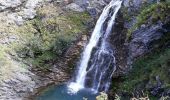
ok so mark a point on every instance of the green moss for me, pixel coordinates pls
(156, 12)
(79, 19)
(150, 15)
(145, 70)
(47, 37)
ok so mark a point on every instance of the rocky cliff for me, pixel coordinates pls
(147, 41)
(41, 41)
(34, 38)
(141, 33)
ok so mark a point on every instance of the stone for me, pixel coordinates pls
(102, 96)
(29, 13)
(92, 11)
(84, 37)
(9, 3)
(81, 44)
(74, 7)
(143, 38)
(67, 1)
(16, 18)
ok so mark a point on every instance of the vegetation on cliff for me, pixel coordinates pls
(39, 42)
(150, 73)
(150, 15)
(147, 73)
(47, 37)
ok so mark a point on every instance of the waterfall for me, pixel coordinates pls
(97, 63)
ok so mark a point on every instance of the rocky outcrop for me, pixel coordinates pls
(74, 7)
(147, 36)
(136, 5)
(14, 88)
(118, 42)
(144, 36)
(19, 10)
(17, 78)
(20, 78)
(94, 7)
(143, 39)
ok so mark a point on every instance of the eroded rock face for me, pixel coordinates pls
(117, 40)
(136, 4)
(16, 81)
(92, 6)
(143, 38)
(74, 7)
(19, 10)
(9, 3)
(16, 87)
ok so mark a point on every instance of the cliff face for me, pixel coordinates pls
(140, 36)
(145, 25)
(34, 38)
(147, 42)
(37, 34)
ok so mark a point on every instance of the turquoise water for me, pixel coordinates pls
(61, 93)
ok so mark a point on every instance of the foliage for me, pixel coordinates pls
(47, 37)
(151, 15)
(146, 70)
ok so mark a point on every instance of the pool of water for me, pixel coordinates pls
(61, 92)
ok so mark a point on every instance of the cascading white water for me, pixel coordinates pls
(98, 66)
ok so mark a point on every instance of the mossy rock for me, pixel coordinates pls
(144, 71)
(46, 38)
(150, 15)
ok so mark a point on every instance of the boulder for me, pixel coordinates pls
(92, 11)
(74, 7)
(9, 3)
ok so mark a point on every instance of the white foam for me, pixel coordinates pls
(74, 87)
(79, 83)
